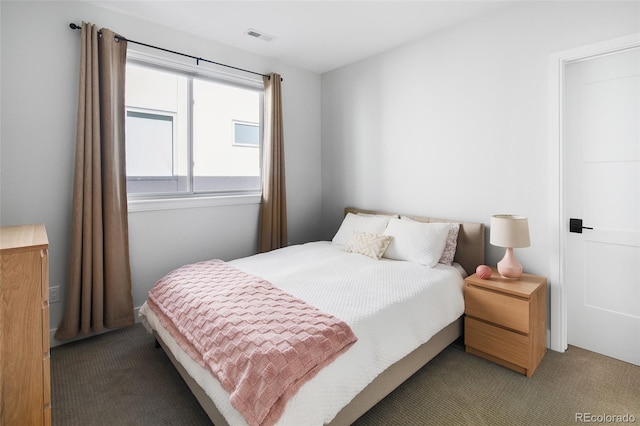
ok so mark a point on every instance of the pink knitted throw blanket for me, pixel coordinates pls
(261, 343)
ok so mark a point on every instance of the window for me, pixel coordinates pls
(246, 134)
(189, 132)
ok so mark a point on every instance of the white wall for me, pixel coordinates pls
(39, 78)
(456, 125)
(453, 125)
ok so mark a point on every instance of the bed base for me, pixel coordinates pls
(379, 388)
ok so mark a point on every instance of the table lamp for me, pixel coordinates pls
(509, 231)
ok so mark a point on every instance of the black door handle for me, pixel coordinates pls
(575, 225)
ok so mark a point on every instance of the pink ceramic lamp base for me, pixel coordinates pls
(509, 267)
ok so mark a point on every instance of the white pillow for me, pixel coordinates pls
(358, 223)
(379, 215)
(449, 251)
(416, 241)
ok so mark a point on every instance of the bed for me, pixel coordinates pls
(429, 315)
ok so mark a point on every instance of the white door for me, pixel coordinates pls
(601, 163)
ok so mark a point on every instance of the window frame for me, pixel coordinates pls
(189, 198)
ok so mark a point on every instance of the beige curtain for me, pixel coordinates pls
(99, 288)
(273, 208)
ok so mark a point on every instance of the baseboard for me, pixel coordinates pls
(55, 342)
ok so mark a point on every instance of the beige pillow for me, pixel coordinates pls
(372, 245)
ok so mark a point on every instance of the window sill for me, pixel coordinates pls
(152, 204)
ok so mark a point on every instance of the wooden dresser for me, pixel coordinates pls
(506, 320)
(25, 387)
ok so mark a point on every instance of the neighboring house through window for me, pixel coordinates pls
(246, 134)
(190, 132)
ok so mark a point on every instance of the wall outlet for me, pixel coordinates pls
(54, 294)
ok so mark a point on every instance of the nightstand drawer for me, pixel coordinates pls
(498, 342)
(507, 311)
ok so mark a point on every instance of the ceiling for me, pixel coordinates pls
(314, 35)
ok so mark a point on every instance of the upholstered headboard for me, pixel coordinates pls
(470, 248)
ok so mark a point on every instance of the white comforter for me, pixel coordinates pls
(392, 307)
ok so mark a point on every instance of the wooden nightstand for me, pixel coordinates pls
(505, 320)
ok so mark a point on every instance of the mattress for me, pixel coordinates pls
(392, 306)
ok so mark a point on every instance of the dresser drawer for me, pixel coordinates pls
(507, 311)
(504, 344)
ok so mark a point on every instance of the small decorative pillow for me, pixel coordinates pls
(452, 243)
(415, 241)
(372, 245)
(357, 223)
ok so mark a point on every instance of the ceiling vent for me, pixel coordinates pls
(259, 34)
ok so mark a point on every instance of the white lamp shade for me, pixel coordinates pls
(509, 231)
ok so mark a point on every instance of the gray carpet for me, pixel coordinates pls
(119, 378)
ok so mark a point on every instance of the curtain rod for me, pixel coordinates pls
(77, 27)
